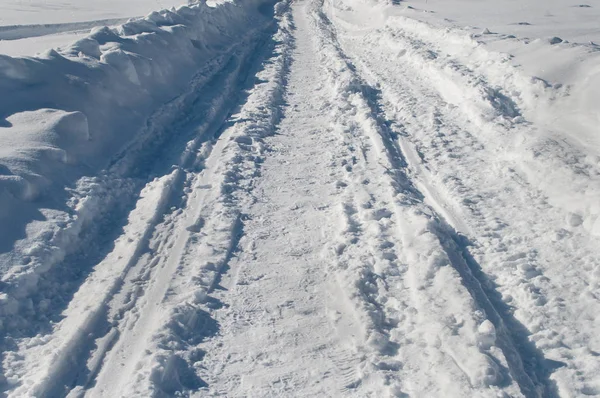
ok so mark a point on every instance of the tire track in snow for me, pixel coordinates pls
(518, 263)
(382, 277)
(524, 356)
(284, 329)
(525, 361)
(100, 204)
(73, 338)
(124, 357)
(213, 224)
(516, 349)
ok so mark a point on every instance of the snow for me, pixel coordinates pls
(303, 198)
(19, 12)
(29, 47)
(67, 114)
(551, 42)
(486, 113)
(568, 20)
(28, 28)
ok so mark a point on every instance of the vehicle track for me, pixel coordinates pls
(92, 324)
(525, 363)
(449, 163)
(311, 229)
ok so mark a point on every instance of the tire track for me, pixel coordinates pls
(518, 352)
(308, 336)
(520, 281)
(210, 229)
(128, 274)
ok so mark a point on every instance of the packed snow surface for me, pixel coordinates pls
(303, 198)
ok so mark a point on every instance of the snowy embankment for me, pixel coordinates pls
(68, 114)
(536, 65)
(119, 271)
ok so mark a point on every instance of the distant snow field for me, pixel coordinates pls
(572, 20)
(35, 45)
(29, 27)
(41, 12)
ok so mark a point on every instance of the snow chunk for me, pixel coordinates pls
(487, 334)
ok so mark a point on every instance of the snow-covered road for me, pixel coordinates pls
(349, 204)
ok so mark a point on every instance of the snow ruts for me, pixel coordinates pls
(522, 361)
(479, 162)
(284, 326)
(134, 276)
(406, 301)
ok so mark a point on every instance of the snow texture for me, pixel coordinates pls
(304, 198)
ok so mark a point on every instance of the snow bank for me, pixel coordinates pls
(66, 114)
(550, 126)
(533, 98)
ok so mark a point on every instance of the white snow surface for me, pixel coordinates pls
(39, 44)
(308, 198)
(30, 27)
(44, 12)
